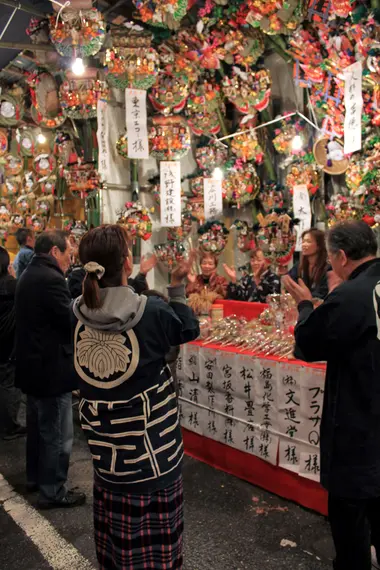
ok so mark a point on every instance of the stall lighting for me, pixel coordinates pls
(41, 138)
(78, 67)
(218, 174)
(297, 143)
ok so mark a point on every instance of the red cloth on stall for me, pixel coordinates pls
(242, 309)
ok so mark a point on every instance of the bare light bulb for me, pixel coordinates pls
(218, 173)
(297, 143)
(41, 138)
(78, 67)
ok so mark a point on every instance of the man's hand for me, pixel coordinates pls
(11, 270)
(230, 272)
(147, 263)
(298, 291)
(183, 269)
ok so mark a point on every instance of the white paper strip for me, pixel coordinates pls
(353, 101)
(289, 455)
(170, 185)
(302, 211)
(103, 141)
(137, 130)
(213, 199)
(310, 463)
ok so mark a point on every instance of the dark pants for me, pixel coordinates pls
(48, 444)
(355, 525)
(10, 397)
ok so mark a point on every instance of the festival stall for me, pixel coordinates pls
(222, 126)
(249, 410)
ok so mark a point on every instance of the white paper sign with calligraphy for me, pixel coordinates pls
(170, 188)
(290, 455)
(353, 101)
(289, 400)
(312, 391)
(310, 463)
(302, 211)
(136, 121)
(103, 140)
(213, 200)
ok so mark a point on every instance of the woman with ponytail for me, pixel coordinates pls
(129, 409)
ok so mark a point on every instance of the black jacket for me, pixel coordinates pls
(345, 331)
(7, 317)
(44, 335)
(77, 274)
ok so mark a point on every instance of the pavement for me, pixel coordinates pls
(229, 524)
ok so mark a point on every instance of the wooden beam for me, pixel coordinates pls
(23, 8)
(31, 47)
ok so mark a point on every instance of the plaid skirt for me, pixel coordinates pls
(139, 532)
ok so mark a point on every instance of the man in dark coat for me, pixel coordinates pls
(345, 332)
(45, 368)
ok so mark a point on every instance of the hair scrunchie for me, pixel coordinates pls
(93, 267)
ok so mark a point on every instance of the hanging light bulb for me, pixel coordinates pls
(41, 138)
(297, 143)
(78, 67)
(218, 174)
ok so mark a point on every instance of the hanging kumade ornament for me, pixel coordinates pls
(23, 204)
(11, 187)
(162, 13)
(244, 240)
(11, 107)
(3, 142)
(329, 155)
(248, 90)
(302, 172)
(169, 94)
(37, 223)
(247, 147)
(44, 165)
(79, 96)
(17, 222)
(355, 173)
(196, 185)
(196, 207)
(340, 209)
(5, 215)
(184, 230)
(122, 146)
(82, 180)
(13, 165)
(77, 33)
(276, 16)
(131, 61)
(271, 197)
(276, 237)
(243, 47)
(213, 237)
(64, 148)
(202, 108)
(26, 142)
(170, 253)
(44, 205)
(241, 185)
(169, 138)
(213, 155)
(137, 221)
(46, 110)
(28, 182)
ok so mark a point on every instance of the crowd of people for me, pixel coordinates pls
(71, 317)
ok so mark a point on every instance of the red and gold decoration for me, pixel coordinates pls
(241, 184)
(46, 109)
(276, 237)
(137, 221)
(169, 138)
(79, 96)
(213, 237)
(248, 90)
(77, 33)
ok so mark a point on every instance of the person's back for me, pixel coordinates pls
(26, 240)
(45, 369)
(129, 408)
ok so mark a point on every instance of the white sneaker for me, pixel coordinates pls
(375, 563)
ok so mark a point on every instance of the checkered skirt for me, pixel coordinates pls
(139, 532)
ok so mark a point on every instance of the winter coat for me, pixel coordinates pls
(44, 340)
(7, 317)
(345, 332)
(129, 409)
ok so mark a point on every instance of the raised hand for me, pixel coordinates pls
(299, 291)
(230, 272)
(147, 263)
(183, 269)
